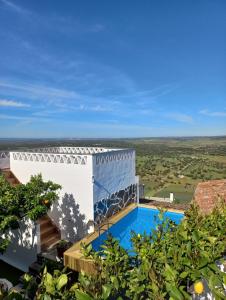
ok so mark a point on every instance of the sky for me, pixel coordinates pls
(87, 69)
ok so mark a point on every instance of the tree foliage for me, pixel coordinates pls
(31, 200)
(163, 265)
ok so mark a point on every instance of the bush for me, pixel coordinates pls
(164, 265)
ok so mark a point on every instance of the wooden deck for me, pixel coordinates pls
(73, 257)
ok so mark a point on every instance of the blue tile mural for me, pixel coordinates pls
(105, 208)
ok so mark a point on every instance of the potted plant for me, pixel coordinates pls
(62, 246)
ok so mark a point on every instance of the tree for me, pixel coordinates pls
(31, 200)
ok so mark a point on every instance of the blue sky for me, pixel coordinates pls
(112, 68)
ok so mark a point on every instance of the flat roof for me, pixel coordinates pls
(73, 150)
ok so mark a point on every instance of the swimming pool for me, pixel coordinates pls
(140, 220)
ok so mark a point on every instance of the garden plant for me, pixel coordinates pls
(31, 200)
(173, 263)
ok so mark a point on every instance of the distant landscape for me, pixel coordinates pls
(164, 164)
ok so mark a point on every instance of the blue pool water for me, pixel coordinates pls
(141, 220)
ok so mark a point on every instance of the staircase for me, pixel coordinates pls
(10, 177)
(49, 233)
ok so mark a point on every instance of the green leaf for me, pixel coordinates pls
(48, 283)
(47, 297)
(115, 282)
(106, 290)
(174, 292)
(74, 287)
(184, 274)
(184, 235)
(185, 294)
(82, 296)
(212, 239)
(195, 236)
(170, 273)
(214, 267)
(62, 281)
(203, 262)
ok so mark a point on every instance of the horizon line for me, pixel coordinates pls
(110, 138)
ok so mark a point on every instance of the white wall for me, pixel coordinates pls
(24, 247)
(113, 171)
(93, 178)
(74, 208)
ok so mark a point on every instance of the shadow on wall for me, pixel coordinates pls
(71, 222)
(4, 163)
(22, 250)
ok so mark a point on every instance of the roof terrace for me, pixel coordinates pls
(70, 150)
(71, 155)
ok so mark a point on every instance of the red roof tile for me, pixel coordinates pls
(208, 193)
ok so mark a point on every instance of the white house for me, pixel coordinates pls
(96, 183)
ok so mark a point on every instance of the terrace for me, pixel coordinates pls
(70, 150)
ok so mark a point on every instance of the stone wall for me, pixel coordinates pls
(105, 208)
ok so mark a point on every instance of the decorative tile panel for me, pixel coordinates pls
(105, 208)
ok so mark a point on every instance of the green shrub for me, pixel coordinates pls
(164, 265)
(31, 200)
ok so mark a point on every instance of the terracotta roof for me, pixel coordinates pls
(208, 193)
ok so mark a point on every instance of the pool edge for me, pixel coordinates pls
(73, 257)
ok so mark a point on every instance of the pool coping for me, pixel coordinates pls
(74, 258)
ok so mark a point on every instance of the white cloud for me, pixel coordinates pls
(213, 113)
(39, 91)
(11, 117)
(179, 117)
(11, 103)
(23, 118)
(96, 108)
(14, 7)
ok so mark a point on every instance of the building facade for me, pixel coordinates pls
(96, 182)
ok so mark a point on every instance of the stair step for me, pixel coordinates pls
(49, 233)
(50, 243)
(45, 224)
(46, 232)
(44, 219)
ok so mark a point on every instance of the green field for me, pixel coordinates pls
(164, 164)
(177, 165)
